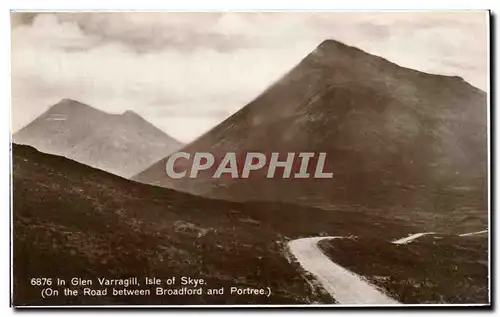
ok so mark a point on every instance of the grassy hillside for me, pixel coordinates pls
(71, 220)
(432, 269)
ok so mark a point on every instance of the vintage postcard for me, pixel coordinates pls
(224, 159)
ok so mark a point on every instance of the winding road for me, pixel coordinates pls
(412, 237)
(346, 287)
(472, 233)
(343, 285)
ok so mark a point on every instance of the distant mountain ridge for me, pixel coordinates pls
(397, 139)
(121, 144)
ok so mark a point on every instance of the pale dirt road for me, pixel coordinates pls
(343, 285)
(412, 237)
(473, 233)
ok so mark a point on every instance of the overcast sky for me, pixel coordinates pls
(186, 72)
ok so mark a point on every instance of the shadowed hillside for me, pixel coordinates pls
(120, 144)
(434, 269)
(71, 220)
(400, 142)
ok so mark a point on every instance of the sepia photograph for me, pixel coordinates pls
(250, 159)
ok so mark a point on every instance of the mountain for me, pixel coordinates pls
(120, 144)
(71, 220)
(399, 142)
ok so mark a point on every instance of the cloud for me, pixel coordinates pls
(186, 72)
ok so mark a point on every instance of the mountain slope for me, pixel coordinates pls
(120, 144)
(71, 220)
(437, 269)
(397, 140)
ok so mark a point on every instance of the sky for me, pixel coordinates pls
(187, 72)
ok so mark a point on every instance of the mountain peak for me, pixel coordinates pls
(132, 116)
(332, 52)
(130, 113)
(332, 43)
(69, 102)
(114, 142)
(67, 105)
(334, 47)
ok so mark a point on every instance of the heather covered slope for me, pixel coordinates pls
(434, 269)
(71, 220)
(400, 142)
(120, 144)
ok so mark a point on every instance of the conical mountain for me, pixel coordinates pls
(397, 140)
(122, 144)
